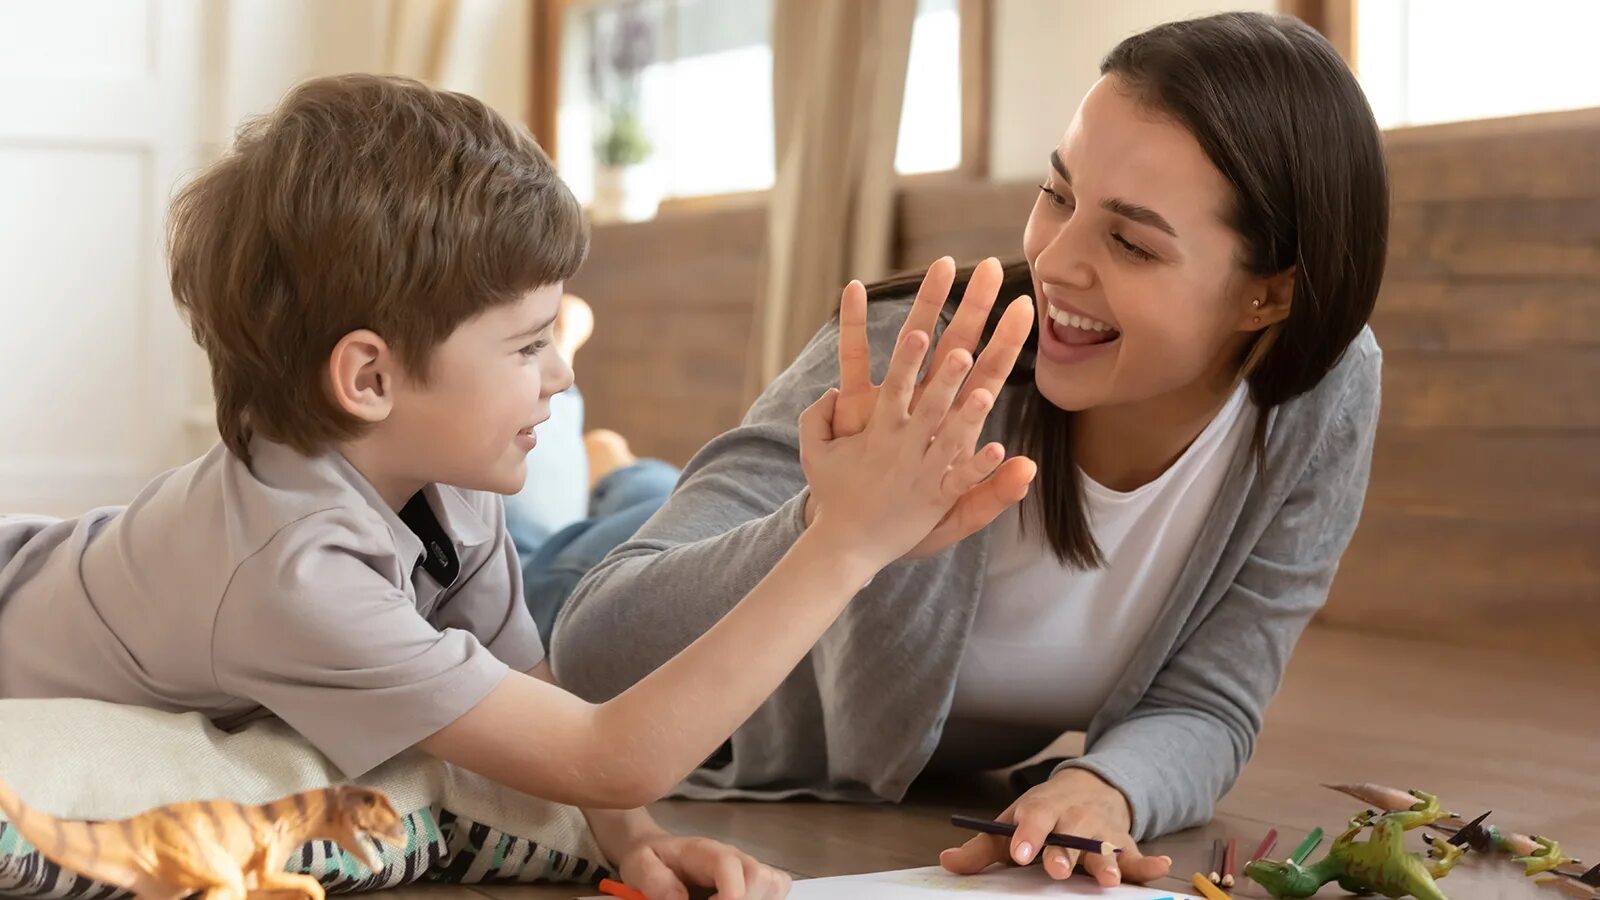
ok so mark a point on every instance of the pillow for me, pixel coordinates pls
(83, 759)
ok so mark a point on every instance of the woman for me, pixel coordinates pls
(1199, 394)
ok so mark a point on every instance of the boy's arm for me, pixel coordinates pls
(880, 492)
(634, 749)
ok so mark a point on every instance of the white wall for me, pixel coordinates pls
(1047, 55)
(98, 117)
(105, 107)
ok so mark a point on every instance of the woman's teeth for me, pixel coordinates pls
(1068, 320)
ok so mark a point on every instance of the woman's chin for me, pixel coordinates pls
(1065, 392)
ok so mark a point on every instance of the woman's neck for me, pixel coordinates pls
(1127, 446)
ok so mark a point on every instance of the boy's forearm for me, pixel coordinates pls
(633, 750)
(674, 718)
(618, 831)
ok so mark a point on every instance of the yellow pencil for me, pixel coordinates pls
(1207, 889)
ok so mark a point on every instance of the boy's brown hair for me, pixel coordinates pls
(362, 201)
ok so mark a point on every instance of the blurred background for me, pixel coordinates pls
(742, 159)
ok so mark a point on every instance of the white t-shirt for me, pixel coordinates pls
(1050, 642)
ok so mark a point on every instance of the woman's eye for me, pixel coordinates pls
(1133, 250)
(1057, 199)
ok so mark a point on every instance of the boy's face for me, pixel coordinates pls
(471, 425)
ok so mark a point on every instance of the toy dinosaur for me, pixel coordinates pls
(223, 849)
(1537, 855)
(1379, 864)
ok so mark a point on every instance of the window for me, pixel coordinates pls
(1426, 61)
(688, 83)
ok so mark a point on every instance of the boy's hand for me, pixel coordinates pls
(985, 487)
(880, 492)
(665, 866)
(1072, 801)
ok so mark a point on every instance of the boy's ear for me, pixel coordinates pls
(361, 375)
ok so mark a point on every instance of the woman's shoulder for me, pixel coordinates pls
(1342, 409)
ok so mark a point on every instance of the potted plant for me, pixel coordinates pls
(627, 182)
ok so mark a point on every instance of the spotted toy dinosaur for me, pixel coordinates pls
(224, 850)
(1379, 864)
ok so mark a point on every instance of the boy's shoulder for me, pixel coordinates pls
(323, 502)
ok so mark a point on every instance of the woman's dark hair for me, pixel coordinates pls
(1281, 116)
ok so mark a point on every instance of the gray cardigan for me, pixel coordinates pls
(860, 717)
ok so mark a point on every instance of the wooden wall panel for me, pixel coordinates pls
(1483, 516)
(673, 311)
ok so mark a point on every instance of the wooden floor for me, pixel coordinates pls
(1515, 733)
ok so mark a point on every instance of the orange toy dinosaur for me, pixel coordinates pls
(225, 850)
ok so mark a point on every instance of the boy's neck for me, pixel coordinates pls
(395, 489)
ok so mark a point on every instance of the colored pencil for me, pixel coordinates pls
(1307, 846)
(1228, 859)
(1268, 844)
(619, 890)
(1053, 839)
(1207, 889)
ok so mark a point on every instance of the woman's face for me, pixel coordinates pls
(1140, 289)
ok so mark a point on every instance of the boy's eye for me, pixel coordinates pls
(535, 348)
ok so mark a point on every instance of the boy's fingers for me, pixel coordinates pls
(655, 879)
(940, 392)
(969, 476)
(894, 397)
(960, 431)
(816, 422)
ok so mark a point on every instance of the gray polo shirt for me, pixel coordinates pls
(284, 587)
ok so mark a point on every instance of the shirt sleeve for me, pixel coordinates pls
(317, 628)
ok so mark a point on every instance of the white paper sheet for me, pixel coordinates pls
(934, 883)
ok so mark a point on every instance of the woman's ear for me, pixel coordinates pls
(1270, 299)
(361, 375)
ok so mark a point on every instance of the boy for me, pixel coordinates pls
(373, 273)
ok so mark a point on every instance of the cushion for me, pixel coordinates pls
(83, 759)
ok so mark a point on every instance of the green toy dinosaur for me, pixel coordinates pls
(1378, 865)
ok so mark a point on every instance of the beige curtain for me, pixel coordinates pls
(839, 73)
(478, 47)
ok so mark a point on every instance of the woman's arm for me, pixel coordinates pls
(1185, 743)
(741, 502)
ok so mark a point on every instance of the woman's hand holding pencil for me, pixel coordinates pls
(1074, 802)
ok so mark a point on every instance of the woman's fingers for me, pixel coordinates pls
(855, 356)
(1000, 354)
(924, 315)
(966, 327)
(975, 855)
